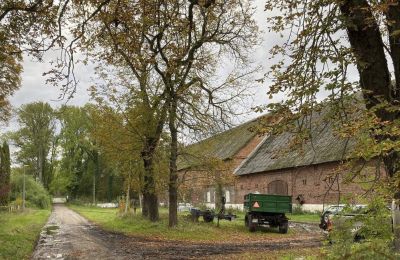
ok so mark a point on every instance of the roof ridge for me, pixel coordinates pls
(226, 131)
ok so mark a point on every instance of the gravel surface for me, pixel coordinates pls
(67, 235)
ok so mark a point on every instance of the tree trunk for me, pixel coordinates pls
(95, 172)
(371, 61)
(140, 201)
(94, 188)
(218, 196)
(150, 199)
(393, 24)
(173, 175)
(110, 188)
(145, 209)
(40, 164)
(366, 41)
(4, 174)
(127, 200)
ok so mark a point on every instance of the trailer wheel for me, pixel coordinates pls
(246, 221)
(208, 216)
(283, 227)
(250, 224)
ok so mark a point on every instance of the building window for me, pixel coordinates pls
(256, 185)
(304, 182)
(208, 196)
(241, 187)
(227, 196)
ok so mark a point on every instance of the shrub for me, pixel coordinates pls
(371, 227)
(36, 194)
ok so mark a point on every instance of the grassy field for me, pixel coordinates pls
(19, 232)
(307, 218)
(186, 230)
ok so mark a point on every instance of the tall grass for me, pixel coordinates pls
(19, 232)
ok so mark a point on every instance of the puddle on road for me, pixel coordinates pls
(50, 230)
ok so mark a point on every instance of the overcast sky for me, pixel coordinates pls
(34, 87)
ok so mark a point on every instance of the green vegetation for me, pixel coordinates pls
(5, 170)
(306, 217)
(373, 229)
(36, 195)
(186, 230)
(19, 232)
(36, 140)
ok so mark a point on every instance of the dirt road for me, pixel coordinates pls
(67, 235)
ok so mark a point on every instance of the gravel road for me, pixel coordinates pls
(67, 235)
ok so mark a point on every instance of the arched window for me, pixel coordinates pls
(278, 187)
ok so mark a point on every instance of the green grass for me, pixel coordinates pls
(19, 232)
(307, 218)
(234, 231)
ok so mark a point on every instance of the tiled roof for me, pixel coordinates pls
(220, 146)
(277, 151)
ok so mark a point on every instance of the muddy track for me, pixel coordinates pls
(70, 236)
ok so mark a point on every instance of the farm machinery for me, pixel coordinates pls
(267, 210)
(209, 215)
(261, 210)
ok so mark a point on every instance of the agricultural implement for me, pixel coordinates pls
(209, 215)
(267, 210)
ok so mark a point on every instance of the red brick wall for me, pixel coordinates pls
(193, 184)
(247, 149)
(315, 183)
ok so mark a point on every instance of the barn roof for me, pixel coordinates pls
(277, 151)
(221, 146)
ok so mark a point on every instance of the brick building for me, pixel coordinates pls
(204, 164)
(310, 173)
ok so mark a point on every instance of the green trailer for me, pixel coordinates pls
(267, 210)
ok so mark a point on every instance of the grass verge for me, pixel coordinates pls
(234, 231)
(19, 232)
(306, 218)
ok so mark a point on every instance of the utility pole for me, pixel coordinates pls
(23, 190)
(94, 188)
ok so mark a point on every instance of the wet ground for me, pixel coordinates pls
(67, 235)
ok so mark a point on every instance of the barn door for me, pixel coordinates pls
(278, 187)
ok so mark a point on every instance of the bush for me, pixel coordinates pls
(372, 229)
(36, 194)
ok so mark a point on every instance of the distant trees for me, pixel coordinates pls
(75, 147)
(5, 172)
(36, 139)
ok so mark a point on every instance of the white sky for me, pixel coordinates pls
(34, 87)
